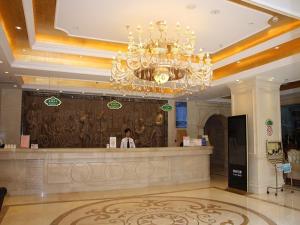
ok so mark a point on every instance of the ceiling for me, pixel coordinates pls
(68, 45)
(102, 22)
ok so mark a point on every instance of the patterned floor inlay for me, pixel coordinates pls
(161, 210)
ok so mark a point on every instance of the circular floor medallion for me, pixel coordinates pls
(161, 210)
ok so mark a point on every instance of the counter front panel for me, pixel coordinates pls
(76, 170)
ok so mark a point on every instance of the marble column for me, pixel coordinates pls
(172, 125)
(10, 115)
(260, 100)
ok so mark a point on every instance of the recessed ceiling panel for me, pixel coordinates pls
(217, 23)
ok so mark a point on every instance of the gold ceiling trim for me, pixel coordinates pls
(63, 59)
(12, 15)
(59, 83)
(284, 50)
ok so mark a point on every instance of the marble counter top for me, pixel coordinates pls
(100, 152)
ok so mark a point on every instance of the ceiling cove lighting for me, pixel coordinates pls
(155, 59)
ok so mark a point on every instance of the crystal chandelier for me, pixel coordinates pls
(158, 61)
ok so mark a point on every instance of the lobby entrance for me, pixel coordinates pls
(216, 129)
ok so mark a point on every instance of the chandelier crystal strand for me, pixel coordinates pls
(160, 59)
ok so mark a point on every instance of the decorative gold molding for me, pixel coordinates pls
(259, 59)
(58, 83)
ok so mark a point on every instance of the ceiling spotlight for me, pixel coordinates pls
(215, 11)
(191, 6)
(277, 47)
(238, 62)
(60, 91)
(237, 80)
(15, 86)
(6, 72)
(275, 19)
(1, 62)
(18, 28)
(37, 89)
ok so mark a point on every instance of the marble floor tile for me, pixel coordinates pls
(198, 203)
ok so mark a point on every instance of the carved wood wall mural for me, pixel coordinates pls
(85, 121)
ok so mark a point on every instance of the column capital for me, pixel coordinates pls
(254, 83)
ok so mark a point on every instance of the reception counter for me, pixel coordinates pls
(24, 171)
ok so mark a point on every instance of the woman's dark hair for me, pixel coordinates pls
(127, 129)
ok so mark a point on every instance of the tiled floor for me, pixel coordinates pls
(201, 203)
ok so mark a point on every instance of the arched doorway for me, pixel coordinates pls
(216, 129)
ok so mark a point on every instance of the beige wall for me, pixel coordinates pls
(10, 115)
(200, 111)
(198, 114)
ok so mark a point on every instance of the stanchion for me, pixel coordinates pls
(276, 185)
(274, 156)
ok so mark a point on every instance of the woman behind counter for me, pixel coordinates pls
(127, 142)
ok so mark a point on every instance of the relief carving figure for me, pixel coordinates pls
(71, 129)
(156, 137)
(105, 129)
(85, 121)
(125, 123)
(159, 118)
(85, 135)
(96, 138)
(31, 119)
(139, 130)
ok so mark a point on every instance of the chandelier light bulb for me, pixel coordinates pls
(151, 26)
(139, 28)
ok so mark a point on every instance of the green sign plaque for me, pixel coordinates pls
(52, 101)
(114, 104)
(166, 107)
